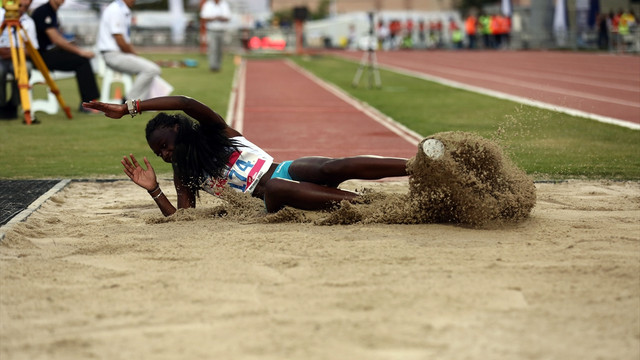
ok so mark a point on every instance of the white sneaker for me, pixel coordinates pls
(433, 148)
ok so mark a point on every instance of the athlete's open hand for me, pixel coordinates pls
(145, 178)
(114, 111)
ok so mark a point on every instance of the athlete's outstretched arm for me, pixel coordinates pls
(146, 178)
(194, 108)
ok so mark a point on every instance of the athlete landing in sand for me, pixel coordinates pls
(207, 154)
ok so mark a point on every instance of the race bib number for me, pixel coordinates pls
(244, 169)
(243, 173)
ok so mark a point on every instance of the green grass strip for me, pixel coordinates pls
(546, 144)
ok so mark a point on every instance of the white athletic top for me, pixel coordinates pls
(245, 168)
(210, 10)
(116, 19)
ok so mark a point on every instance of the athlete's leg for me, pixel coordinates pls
(331, 172)
(302, 195)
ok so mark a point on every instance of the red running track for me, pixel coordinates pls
(600, 84)
(289, 115)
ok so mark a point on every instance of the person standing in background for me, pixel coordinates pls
(471, 28)
(59, 53)
(217, 14)
(118, 53)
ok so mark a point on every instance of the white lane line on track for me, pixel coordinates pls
(32, 207)
(235, 107)
(532, 71)
(231, 105)
(518, 99)
(405, 133)
(527, 85)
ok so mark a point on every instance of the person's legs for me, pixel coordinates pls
(4, 70)
(58, 59)
(215, 43)
(145, 71)
(331, 172)
(302, 195)
(220, 48)
(8, 107)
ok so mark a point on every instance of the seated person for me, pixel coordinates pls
(60, 54)
(118, 53)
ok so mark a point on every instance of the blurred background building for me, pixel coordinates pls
(423, 24)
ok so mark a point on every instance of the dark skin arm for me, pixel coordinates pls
(146, 178)
(124, 46)
(197, 110)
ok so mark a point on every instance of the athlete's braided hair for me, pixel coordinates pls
(198, 149)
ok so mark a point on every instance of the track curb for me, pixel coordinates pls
(24, 214)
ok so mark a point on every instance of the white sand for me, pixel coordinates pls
(89, 277)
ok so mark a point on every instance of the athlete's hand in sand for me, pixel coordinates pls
(114, 111)
(145, 178)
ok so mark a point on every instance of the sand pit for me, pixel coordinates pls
(97, 273)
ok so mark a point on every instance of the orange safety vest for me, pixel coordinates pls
(470, 25)
(494, 26)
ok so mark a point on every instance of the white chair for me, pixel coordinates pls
(49, 105)
(110, 77)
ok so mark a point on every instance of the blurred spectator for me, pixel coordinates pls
(503, 31)
(216, 13)
(383, 35)
(494, 32)
(407, 40)
(613, 29)
(471, 28)
(59, 53)
(456, 34)
(409, 29)
(603, 31)
(626, 23)
(435, 33)
(422, 33)
(395, 29)
(352, 38)
(485, 29)
(118, 53)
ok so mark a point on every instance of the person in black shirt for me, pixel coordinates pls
(60, 54)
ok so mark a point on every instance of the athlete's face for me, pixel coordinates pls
(163, 141)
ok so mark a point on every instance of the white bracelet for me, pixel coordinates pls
(132, 107)
(157, 196)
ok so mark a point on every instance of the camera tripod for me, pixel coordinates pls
(370, 62)
(369, 59)
(12, 24)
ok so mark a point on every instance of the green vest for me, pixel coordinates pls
(456, 36)
(485, 22)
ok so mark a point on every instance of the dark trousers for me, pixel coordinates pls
(58, 59)
(6, 67)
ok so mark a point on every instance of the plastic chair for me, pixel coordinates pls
(111, 77)
(49, 105)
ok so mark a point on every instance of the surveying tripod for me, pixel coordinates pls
(12, 24)
(369, 59)
(370, 62)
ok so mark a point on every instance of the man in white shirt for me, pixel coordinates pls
(114, 44)
(217, 14)
(9, 109)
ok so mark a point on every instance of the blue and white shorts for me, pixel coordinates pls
(282, 171)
